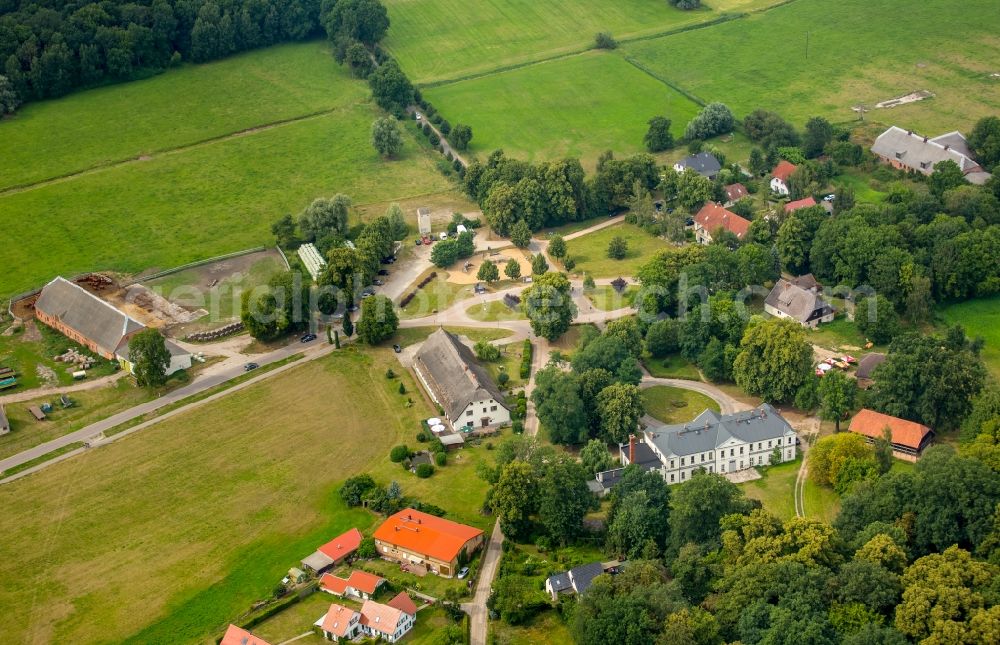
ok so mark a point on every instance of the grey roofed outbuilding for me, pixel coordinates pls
(86, 314)
(704, 163)
(172, 348)
(452, 439)
(709, 430)
(452, 374)
(922, 153)
(868, 363)
(317, 561)
(804, 305)
(578, 578)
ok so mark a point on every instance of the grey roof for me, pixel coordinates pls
(86, 314)
(451, 371)
(868, 363)
(451, 439)
(559, 582)
(710, 430)
(644, 455)
(807, 281)
(172, 348)
(317, 561)
(703, 163)
(578, 578)
(922, 153)
(801, 304)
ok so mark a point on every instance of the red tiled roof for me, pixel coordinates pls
(425, 534)
(342, 545)
(712, 216)
(905, 433)
(799, 203)
(338, 620)
(380, 617)
(736, 192)
(239, 636)
(333, 584)
(404, 603)
(364, 581)
(783, 170)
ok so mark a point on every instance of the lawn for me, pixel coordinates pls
(510, 362)
(776, 488)
(675, 405)
(407, 336)
(671, 367)
(169, 535)
(980, 318)
(298, 619)
(446, 39)
(841, 334)
(821, 503)
(591, 251)
(494, 310)
(812, 57)
(209, 199)
(606, 298)
(29, 353)
(577, 107)
(567, 343)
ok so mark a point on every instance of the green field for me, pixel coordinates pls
(775, 489)
(578, 107)
(591, 251)
(606, 298)
(858, 52)
(493, 311)
(207, 199)
(671, 367)
(675, 405)
(169, 535)
(445, 39)
(981, 319)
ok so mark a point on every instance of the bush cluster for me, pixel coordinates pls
(526, 360)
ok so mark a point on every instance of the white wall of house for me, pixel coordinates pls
(731, 456)
(701, 235)
(476, 411)
(778, 186)
(812, 324)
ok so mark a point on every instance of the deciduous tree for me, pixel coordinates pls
(378, 320)
(548, 305)
(620, 406)
(512, 269)
(773, 360)
(148, 354)
(488, 272)
(386, 136)
(658, 137)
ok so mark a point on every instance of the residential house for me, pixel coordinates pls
(866, 368)
(339, 622)
(423, 540)
(360, 584)
(577, 580)
(457, 382)
(4, 423)
(97, 325)
(634, 452)
(791, 207)
(703, 163)
(424, 221)
(908, 438)
(906, 150)
(780, 175)
(312, 259)
(386, 622)
(238, 636)
(734, 193)
(804, 306)
(403, 603)
(720, 443)
(713, 217)
(334, 552)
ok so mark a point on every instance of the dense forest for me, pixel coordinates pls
(50, 47)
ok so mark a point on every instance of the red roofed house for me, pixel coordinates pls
(734, 193)
(909, 438)
(360, 584)
(420, 539)
(403, 603)
(375, 619)
(712, 217)
(791, 207)
(334, 552)
(239, 636)
(340, 622)
(780, 175)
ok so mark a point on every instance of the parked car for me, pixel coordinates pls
(383, 271)
(464, 571)
(418, 241)
(352, 308)
(377, 282)
(830, 198)
(419, 116)
(397, 348)
(308, 338)
(443, 235)
(249, 367)
(658, 205)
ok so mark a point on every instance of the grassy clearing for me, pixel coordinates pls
(298, 619)
(177, 108)
(591, 251)
(170, 210)
(33, 348)
(841, 334)
(980, 318)
(567, 343)
(244, 505)
(437, 295)
(475, 37)
(492, 311)
(776, 488)
(671, 367)
(577, 107)
(846, 61)
(820, 502)
(606, 298)
(675, 405)
(510, 362)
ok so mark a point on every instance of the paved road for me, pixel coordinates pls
(444, 141)
(478, 613)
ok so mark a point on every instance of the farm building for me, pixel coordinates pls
(791, 207)
(424, 221)
(239, 636)
(703, 163)
(713, 217)
(803, 305)
(909, 438)
(734, 193)
(388, 622)
(334, 552)
(458, 383)
(866, 368)
(419, 539)
(312, 259)
(360, 584)
(97, 325)
(780, 175)
(4, 423)
(906, 150)
(716, 443)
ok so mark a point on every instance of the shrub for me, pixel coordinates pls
(503, 378)
(426, 129)
(399, 453)
(517, 426)
(449, 156)
(402, 388)
(458, 166)
(486, 351)
(429, 109)
(440, 459)
(424, 471)
(436, 119)
(526, 360)
(569, 264)
(445, 126)
(617, 248)
(604, 40)
(389, 373)
(355, 488)
(421, 437)
(366, 550)
(434, 139)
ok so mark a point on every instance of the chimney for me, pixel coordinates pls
(631, 449)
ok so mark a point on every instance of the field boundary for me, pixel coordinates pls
(196, 263)
(677, 88)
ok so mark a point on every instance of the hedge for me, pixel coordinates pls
(526, 360)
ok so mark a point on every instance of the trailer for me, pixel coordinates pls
(36, 412)
(7, 383)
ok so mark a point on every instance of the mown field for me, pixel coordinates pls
(858, 52)
(578, 106)
(447, 39)
(591, 251)
(981, 319)
(206, 199)
(168, 535)
(675, 405)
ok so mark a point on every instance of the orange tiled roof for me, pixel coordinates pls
(404, 603)
(380, 617)
(425, 534)
(239, 636)
(342, 545)
(338, 620)
(799, 203)
(905, 433)
(333, 584)
(784, 170)
(712, 216)
(364, 581)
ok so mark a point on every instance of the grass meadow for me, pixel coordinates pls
(858, 52)
(436, 40)
(980, 318)
(675, 405)
(578, 107)
(591, 251)
(168, 535)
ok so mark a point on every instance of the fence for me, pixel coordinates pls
(198, 263)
